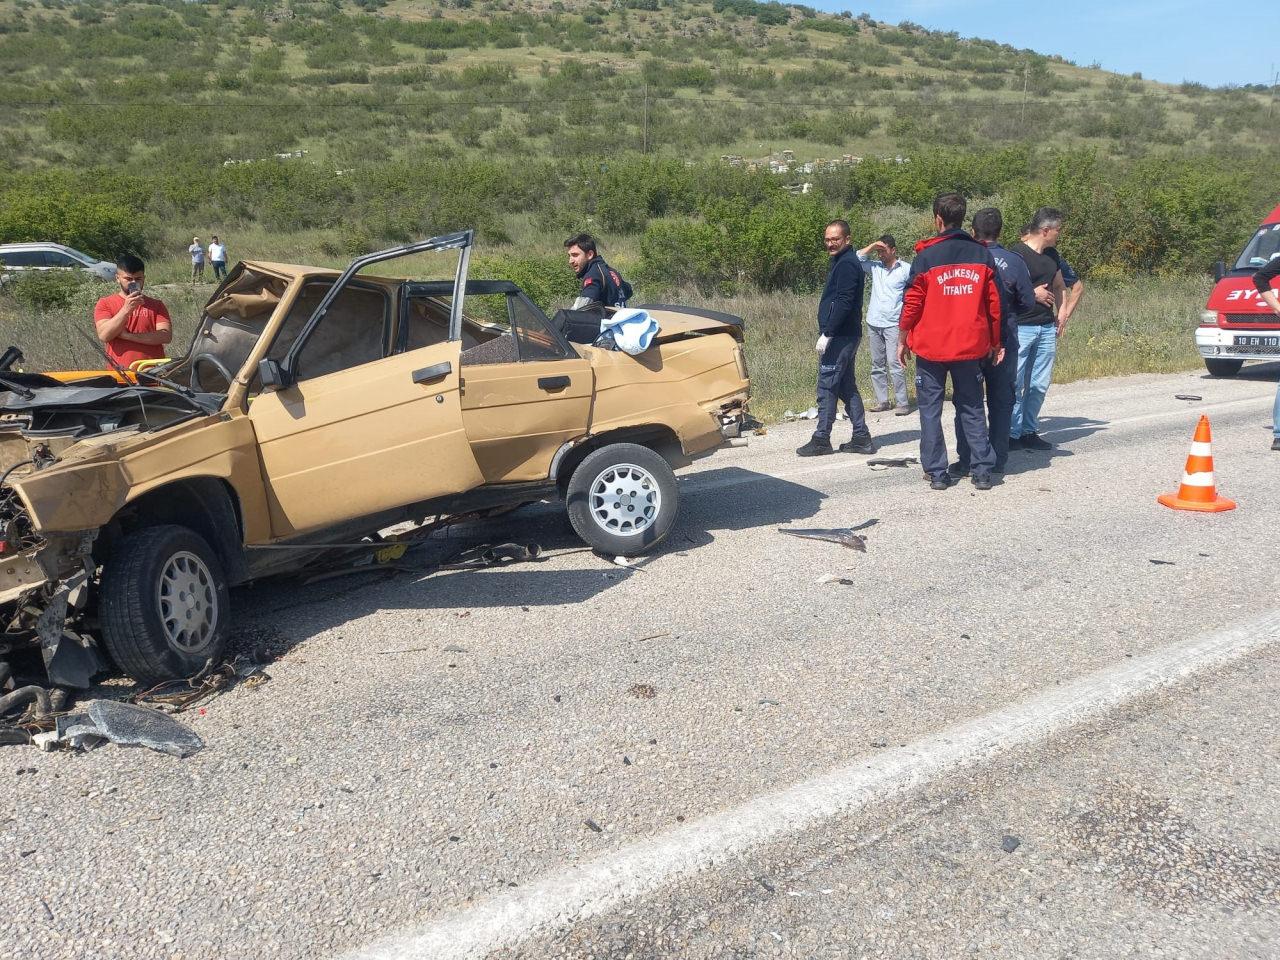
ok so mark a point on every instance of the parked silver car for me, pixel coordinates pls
(18, 258)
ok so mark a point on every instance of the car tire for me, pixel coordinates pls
(163, 604)
(622, 499)
(1223, 368)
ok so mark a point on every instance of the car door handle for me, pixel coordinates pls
(437, 371)
(553, 383)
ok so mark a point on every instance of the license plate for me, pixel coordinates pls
(1257, 341)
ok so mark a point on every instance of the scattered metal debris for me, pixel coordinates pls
(124, 724)
(1161, 563)
(841, 535)
(884, 463)
(1187, 396)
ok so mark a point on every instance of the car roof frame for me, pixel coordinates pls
(461, 240)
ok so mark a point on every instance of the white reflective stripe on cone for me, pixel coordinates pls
(1197, 479)
(1200, 449)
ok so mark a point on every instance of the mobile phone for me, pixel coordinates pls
(133, 286)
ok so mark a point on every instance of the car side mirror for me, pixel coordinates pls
(273, 375)
(1219, 270)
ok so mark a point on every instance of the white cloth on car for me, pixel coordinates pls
(633, 330)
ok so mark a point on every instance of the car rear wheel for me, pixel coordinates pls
(1223, 368)
(622, 499)
(164, 604)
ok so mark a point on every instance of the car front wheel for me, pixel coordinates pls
(1223, 368)
(164, 604)
(622, 499)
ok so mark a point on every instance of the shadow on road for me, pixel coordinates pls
(1259, 372)
(730, 498)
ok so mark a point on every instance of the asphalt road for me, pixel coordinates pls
(432, 746)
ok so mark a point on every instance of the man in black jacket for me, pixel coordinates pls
(840, 329)
(1262, 283)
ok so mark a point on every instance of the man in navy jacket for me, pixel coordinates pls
(840, 329)
(951, 321)
(1016, 296)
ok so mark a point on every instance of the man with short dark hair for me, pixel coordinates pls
(951, 322)
(1038, 330)
(132, 327)
(1016, 295)
(888, 281)
(601, 284)
(218, 258)
(839, 331)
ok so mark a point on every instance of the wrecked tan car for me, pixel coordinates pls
(315, 409)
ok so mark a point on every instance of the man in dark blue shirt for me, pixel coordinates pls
(1016, 296)
(840, 329)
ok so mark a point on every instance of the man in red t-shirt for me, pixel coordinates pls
(132, 327)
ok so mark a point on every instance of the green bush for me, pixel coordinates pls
(52, 208)
(46, 289)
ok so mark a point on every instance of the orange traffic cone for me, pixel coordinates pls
(1197, 491)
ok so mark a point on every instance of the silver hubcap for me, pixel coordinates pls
(188, 603)
(625, 499)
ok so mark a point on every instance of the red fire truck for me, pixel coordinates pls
(1237, 325)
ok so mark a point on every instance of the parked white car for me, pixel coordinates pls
(19, 258)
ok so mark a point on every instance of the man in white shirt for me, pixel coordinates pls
(889, 277)
(218, 257)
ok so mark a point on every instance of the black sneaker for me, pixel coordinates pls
(982, 481)
(1275, 444)
(939, 483)
(958, 470)
(815, 448)
(859, 445)
(1033, 441)
(1015, 443)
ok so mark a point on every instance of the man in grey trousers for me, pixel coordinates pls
(889, 277)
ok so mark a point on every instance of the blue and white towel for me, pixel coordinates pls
(632, 330)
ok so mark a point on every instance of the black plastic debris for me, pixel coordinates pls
(1160, 563)
(1187, 396)
(884, 463)
(593, 826)
(1009, 843)
(844, 536)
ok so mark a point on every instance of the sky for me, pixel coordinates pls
(1166, 40)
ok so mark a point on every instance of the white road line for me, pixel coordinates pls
(573, 894)
(693, 482)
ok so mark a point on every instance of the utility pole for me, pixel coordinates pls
(1025, 68)
(646, 120)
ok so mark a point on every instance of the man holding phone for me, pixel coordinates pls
(131, 326)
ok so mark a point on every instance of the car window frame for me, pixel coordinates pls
(299, 345)
(437, 288)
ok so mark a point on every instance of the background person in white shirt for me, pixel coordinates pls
(218, 257)
(889, 276)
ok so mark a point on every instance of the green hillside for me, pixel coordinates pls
(135, 124)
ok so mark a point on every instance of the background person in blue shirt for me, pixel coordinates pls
(889, 277)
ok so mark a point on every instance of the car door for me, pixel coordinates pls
(525, 392)
(362, 429)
